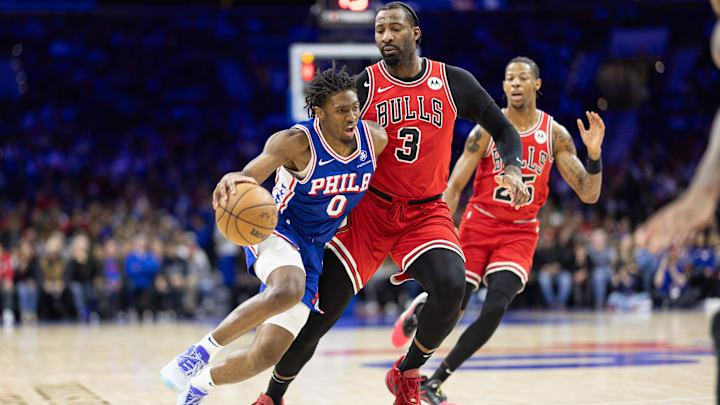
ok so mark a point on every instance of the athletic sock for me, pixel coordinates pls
(210, 345)
(203, 381)
(414, 358)
(441, 374)
(277, 387)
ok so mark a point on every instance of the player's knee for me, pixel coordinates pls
(450, 292)
(495, 305)
(287, 294)
(265, 356)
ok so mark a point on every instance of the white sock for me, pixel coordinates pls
(209, 344)
(203, 380)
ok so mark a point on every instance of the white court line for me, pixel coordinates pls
(654, 401)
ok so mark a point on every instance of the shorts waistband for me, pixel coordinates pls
(390, 198)
(517, 221)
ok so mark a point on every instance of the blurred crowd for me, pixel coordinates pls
(117, 125)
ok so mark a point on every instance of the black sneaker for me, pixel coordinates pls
(430, 393)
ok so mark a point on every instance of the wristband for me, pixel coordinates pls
(594, 166)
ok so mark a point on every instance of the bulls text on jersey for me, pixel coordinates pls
(397, 109)
(532, 161)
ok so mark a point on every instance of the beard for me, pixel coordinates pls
(396, 58)
(349, 142)
(393, 60)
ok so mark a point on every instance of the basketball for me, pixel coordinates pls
(248, 217)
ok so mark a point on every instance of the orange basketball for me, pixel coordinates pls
(249, 216)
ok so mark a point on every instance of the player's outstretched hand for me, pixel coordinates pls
(226, 186)
(672, 225)
(511, 179)
(593, 136)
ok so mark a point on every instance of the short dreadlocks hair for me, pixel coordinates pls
(326, 84)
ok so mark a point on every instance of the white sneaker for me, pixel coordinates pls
(178, 372)
(191, 396)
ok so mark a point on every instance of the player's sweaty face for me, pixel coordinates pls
(393, 36)
(342, 112)
(519, 84)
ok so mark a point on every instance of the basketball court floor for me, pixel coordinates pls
(534, 358)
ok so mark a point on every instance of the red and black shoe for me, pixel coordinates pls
(405, 385)
(265, 400)
(406, 323)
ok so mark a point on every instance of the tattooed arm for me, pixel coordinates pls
(475, 147)
(586, 185)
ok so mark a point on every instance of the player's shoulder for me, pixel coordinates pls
(293, 138)
(376, 131)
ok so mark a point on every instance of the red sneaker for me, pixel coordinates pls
(265, 400)
(406, 323)
(404, 385)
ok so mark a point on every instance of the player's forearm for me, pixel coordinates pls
(461, 173)
(590, 188)
(707, 178)
(586, 185)
(261, 167)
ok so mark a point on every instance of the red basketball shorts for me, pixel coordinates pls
(377, 227)
(491, 246)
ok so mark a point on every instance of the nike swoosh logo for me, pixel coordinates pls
(380, 89)
(324, 162)
(366, 84)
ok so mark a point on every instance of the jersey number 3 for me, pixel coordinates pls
(503, 194)
(408, 153)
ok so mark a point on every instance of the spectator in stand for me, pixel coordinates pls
(602, 259)
(26, 276)
(55, 298)
(112, 280)
(141, 267)
(174, 270)
(7, 286)
(579, 265)
(82, 271)
(552, 275)
(671, 282)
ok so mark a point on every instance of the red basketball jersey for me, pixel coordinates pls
(419, 118)
(494, 200)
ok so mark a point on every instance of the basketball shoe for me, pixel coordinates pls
(405, 385)
(178, 372)
(265, 400)
(191, 396)
(430, 393)
(407, 322)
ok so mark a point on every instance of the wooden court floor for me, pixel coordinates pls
(534, 358)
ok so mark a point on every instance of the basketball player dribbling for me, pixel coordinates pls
(324, 166)
(417, 101)
(696, 207)
(499, 241)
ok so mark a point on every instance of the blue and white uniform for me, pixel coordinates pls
(312, 205)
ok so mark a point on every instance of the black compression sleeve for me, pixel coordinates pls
(475, 104)
(362, 85)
